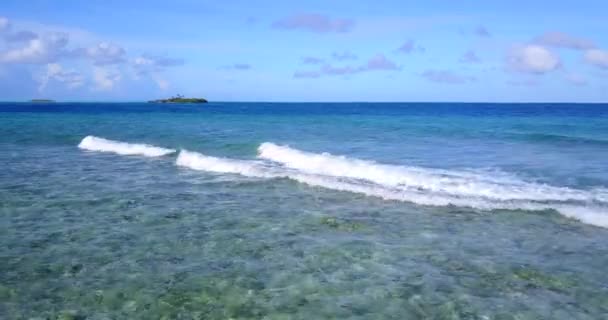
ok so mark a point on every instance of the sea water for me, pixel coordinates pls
(303, 211)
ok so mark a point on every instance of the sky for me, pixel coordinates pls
(342, 51)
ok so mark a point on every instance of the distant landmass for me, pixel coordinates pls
(42, 100)
(179, 99)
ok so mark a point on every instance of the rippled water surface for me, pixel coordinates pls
(303, 211)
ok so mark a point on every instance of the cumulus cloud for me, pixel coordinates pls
(344, 55)
(532, 58)
(597, 57)
(446, 76)
(26, 46)
(146, 64)
(482, 31)
(563, 40)
(104, 53)
(470, 57)
(38, 50)
(314, 22)
(44, 51)
(55, 72)
(105, 79)
(409, 46)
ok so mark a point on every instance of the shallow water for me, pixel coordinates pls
(100, 235)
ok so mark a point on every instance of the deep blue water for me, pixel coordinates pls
(304, 210)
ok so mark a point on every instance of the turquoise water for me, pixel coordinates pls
(303, 211)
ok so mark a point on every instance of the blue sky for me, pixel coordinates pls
(305, 50)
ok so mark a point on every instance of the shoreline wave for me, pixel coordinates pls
(585, 206)
(422, 186)
(408, 178)
(93, 143)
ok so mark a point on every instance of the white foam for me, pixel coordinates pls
(597, 216)
(104, 145)
(408, 178)
(197, 161)
(344, 180)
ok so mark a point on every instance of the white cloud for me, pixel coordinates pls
(105, 78)
(26, 46)
(149, 64)
(532, 59)
(105, 53)
(55, 72)
(597, 58)
(39, 50)
(49, 49)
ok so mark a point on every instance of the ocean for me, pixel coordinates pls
(303, 211)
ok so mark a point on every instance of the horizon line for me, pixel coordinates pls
(311, 102)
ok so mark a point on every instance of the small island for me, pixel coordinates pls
(179, 99)
(42, 101)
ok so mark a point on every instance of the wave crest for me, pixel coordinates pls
(93, 143)
(423, 186)
(390, 182)
(408, 178)
(198, 161)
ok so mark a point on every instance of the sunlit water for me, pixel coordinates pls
(303, 211)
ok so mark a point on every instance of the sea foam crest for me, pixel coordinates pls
(123, 148)
(198, 161)
(391, 188)
(409, 178)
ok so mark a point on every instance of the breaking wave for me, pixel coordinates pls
(423, 186)
(447, 182)
(92, 143)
